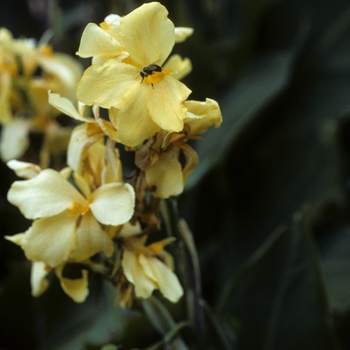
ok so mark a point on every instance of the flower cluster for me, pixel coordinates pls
(27, 71)
(86, 214)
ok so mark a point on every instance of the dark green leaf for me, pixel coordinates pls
(279, 295)
(158, 314)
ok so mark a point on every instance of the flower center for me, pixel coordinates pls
(76, 208)
(156, 77)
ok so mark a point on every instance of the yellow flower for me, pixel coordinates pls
(141, 95)
(67, 219)
(165, 174)
(143, 267)
(77, 288)
(105, 42)
(23, 95)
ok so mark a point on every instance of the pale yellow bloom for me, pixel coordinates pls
(76, 288)
(165, 174)
(24, 105)
(38, 280)
(139, 106)
(68, 222)
(149, 267)
(96, 128)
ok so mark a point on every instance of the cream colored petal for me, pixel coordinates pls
(5, 108)
(106, 126)
(165, 103)
(113, 204)
(132, 121)
(24, 169)
(82, 184)
(66, 107)
(165, 175)
(112, 171)
(111, 25)
(38, 279)
(147, 34)
(182, 33)
(82, 138)
(191, 158)
(134, 273)
(106, 85)
(66, 69)
(51, 240)
(91, 239)
(208, 110)
(95, 41)
(77, 289)
(37, 92)
(166, 279)
(129, 230)
(56, 139)
(16, 239)
(44, 195)
(96, 161)
(14, 139)
(179, 66)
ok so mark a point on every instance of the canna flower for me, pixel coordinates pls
(141, 94)
(95, 128)
(148, 267)
(105, 41)
(24, 106)
(77, 288)
(164, 172)
(67, 219)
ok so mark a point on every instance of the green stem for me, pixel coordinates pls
(187, 262)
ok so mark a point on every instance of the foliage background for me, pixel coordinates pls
(269, 203)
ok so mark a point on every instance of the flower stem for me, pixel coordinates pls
(187, 262)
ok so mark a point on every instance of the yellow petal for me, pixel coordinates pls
(38, 279)
(112, 171)
(208, 110)
(147, 34)
(106, 126)
(24, 169)
(14, 139)
(180, 67)
(157, 247)
(77, 289)
(105, 85)
(133, 122)
(17, 238)
(66, 107)
(166, 280)
(191, 160)
(79, 144)
(96, 162)
(95, 41)
(113, 203)
(134, 273)
(67, 71)
(91, 239)
(165, 175)
(164, 103)
(50, 240)
(111, 25)
(44, 195)
(129, 230)
(182, 33)
(82, 184)
(5, 108)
